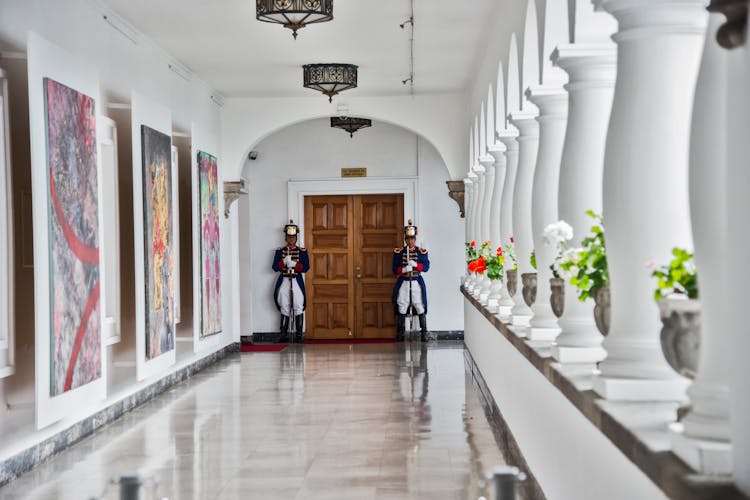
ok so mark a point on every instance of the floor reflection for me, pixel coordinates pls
(377, 421)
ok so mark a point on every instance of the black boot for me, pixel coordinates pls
(284, 330)
(298, 323)
(401, 328)
(423, 327)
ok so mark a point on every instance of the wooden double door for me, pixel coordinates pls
(350, 241)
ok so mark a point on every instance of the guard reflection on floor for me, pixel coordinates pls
(329, 421)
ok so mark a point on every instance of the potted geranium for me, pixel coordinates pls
(511, 273)
(471, 255)
(677, 297)
(557, 235)
(586, 269)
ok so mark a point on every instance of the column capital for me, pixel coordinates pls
(526, 124)
(467, 181)
(497, 151)
(508, 138)
(472, 176)
(588, 65)
(487, 161)
(551, 101)
(478, 169)
(639, 19)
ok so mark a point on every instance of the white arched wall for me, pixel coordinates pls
(512, 82)
(318, 152)
(491, 110)
(530, 73)
(556, 32)
(436, 117)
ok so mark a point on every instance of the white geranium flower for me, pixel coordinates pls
(557, 233)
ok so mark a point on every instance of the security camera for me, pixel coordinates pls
(253, 155)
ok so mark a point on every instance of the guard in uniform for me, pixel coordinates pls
(410, 292)
(290, 262)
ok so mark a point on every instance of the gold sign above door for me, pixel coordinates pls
(354, 172)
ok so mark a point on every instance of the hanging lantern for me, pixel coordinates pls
(329, 78)
(294, 14)
(350, 123)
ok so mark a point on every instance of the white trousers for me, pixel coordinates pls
(402, 301)
(283, 297)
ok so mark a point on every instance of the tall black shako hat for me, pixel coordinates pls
(410, 230)
(291, 229)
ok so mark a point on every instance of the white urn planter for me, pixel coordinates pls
(680, 335)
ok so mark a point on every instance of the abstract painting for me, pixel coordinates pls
(158, 241)
(208, 186)
(73, 229)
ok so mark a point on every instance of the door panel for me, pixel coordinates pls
(350, 240)
(331, 287)
(380, 220)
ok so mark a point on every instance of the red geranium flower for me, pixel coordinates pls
(499, 251)
(481, 266)
(473, 243)
(473, 266)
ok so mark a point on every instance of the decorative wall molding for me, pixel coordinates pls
(297, 189)
(456, 193)
(232, 192)
(733, 33)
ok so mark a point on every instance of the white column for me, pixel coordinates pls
(480, 184)
(474, 202)
(528, 144)
(470, 219)
(508, 138)
(553, 115)
(488, 163)
(467, 207)
(736, 261)
(704, 442)
(496, 232)
(645, 184)
(591, 70)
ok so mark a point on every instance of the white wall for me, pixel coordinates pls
(568, 455)
(436, 117)
(313, 150)
(78, 27)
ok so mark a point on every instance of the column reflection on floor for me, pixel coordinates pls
(378, 421)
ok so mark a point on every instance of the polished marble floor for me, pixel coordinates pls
(365, 421)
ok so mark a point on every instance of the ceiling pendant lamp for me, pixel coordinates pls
(294, 14)
(350, 124)
(329, 78)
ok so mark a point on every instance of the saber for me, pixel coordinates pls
(410, 310)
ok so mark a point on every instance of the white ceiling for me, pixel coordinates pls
(226, 46)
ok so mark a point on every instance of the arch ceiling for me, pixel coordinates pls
(513, 81)
(491, 115)
(530, 61)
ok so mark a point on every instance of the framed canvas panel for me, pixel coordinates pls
(176, 232)
(154, 237)
(210, 276)
(209, 286)
(7, 334)
(110, 231)
(70, 363)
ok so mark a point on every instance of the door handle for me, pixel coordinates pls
(358, 270)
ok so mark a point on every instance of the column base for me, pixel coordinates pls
(631, 389)
(505, 311)
(706, 457)
(520, 320)
(520, 331)
(544, 334)
(493, 305)
(565, 354)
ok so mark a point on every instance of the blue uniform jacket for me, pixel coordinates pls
(303, 265)
(400, 260)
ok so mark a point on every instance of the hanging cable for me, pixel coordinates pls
(410, 22)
